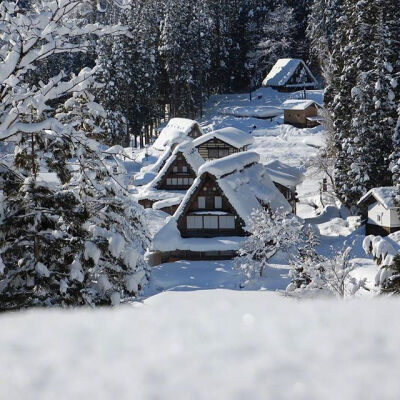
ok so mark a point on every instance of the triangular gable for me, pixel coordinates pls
(196, 190)
(168, 173)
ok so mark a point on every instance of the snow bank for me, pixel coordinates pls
(217, 344)
(233, 136)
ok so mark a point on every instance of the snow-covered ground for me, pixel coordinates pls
(211, 344)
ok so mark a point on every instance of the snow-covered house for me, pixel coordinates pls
(167, 189)
(210, 222)
(380, 213)
(290, 75)
(301, 113)
(177, 131)
(286, 178)
(222, 143)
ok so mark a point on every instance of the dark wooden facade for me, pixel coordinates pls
(216, 148)
(179, 175)
(289, 194)
(298, 118)
(377, 230)
(209, 213)
(297, 82)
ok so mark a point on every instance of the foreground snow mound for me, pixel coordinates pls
(205, 345)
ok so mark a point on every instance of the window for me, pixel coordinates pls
(191, 181)
(169, 181)
(184, 168)
(218, 153)
(227, 222)
(378, 217)
(201, 202)
(211, 222)
(194, 222)
(175, 169)
(218, 202)
(180, 181)
(174, 181)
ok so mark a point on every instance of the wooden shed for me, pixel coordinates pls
(301, 113)
(379, 212)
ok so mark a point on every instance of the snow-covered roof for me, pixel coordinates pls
(384, 195)
(284, 174)
(229, 164)
(244, 182)
(117, 149)
(232, 136)
(191, 155)
(284, 69)
(175, 132)
(299, 105)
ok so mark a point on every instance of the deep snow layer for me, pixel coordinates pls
(216, 344)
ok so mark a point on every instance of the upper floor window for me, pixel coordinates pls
(218, 202)
(201, 202)
(218, 153)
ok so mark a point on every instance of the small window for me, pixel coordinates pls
(211, 222)
(191, 180)
(180, 181)
(218, 202)
(185, 181)
(194, 222)
(201, 202)
(169, 181)
(184, 168)
(174, 181)
(175, 169)
(378, 218)
(227, 222)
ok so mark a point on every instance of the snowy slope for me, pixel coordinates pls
(215, 344)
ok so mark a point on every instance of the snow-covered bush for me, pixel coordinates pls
(325, 275)
(269, 231)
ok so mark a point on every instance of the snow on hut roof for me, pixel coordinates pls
(117, 149)
(283, 70)
(191, 155)
(246, 185)
(284, 174)
(300, 105)
(229, 164)
(175, 132)
(233, 136)
(384, 195)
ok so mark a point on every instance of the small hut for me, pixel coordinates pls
(379, 211)
(290, 75)
(301, 113)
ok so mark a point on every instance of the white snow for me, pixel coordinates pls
(300, 105)
(384, 195)
(230, 135)
(176, 131)
(215, 344)
(283, 70)
(229, 164)
(285, 174)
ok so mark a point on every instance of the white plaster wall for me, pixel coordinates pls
(374, 211)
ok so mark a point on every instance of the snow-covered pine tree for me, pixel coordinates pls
(55, 263)
(277, 41)
(270, 231)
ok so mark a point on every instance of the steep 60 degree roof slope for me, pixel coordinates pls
(284, 70)
(175, 132)
(232, 136)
